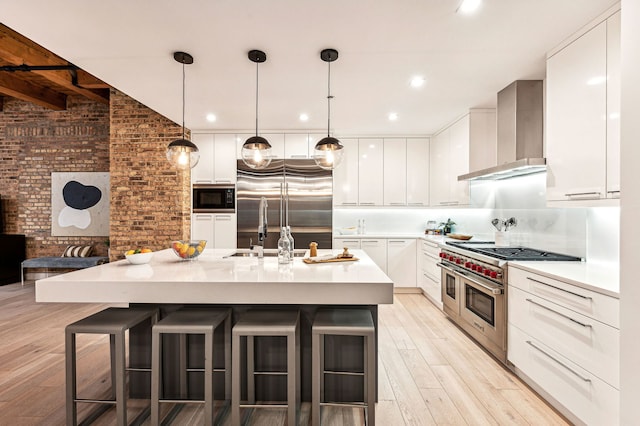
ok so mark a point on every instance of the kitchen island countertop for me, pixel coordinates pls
(214, 278)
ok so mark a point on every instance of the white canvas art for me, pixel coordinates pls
(80, 203)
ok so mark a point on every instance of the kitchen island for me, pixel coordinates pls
(217, 278)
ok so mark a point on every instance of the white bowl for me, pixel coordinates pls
(348, 231)
(139, 258)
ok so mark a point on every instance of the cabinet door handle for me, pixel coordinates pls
(561, 289)
(587, 195)
(416, 204)
(350, 241)
(223, 180)
(613, 192)
(559, 313)
(204, 217)
(397, 204)
(369, 242)
(397, 241)
(367, 204)
(223, 217)
(431, 256)
(349, 204)
(203, 181)
(299, 156)
(571, 370)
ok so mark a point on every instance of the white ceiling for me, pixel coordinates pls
(382, 44)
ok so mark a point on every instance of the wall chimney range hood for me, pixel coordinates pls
(519, 133)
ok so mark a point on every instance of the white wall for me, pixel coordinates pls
(629, 216)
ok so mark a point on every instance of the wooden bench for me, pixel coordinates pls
(56, 262)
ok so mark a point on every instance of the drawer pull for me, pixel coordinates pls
(363, 203)
(349, 204)
(593, 194)
(558, 288)
(585, 379)
(558, 313)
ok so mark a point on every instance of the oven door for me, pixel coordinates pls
(450, 283)
(482, 306)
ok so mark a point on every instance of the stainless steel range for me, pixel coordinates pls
(474, 277)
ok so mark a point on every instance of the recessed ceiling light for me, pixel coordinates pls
(304, 117)
(418, 81)
(211, 118)
(469, 6)
(393, 116)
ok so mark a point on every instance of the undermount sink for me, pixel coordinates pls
(267, 253)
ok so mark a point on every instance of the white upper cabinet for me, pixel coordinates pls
(203, 172)
(417, 172)
(370, 166)
(395, 172)
(448, 159)
(613, 106)
(224, 159)
(296, 145)
(583, 104)
(277, 144)
(345, 176)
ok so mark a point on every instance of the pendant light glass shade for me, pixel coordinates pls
(181, 153)
(256, 151)
(328, 152)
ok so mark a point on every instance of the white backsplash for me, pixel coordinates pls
(591, 233)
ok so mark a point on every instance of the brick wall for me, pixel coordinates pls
(34, 142)
(150, 201)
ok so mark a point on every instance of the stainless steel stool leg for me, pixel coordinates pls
(235, 380)
(120, 383)
(316, 372)
(208, 378)
(156, 376)
(370, 378)
(70, 371)
(251, 377)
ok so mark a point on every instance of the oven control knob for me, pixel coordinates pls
(467, 264)
(494, 274)
(458, 261)
(487, 272)
(443, 255)
(451, 258)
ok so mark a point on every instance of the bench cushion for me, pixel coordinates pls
(64, 262)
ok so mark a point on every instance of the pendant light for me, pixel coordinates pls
(328, 152)
(256, 151)
(182, 153)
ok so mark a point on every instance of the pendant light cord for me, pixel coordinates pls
(257, 82)
(183, 98)
(329, 97)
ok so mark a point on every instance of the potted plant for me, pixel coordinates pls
(447, 226)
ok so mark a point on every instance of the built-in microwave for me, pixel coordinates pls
(209, 198)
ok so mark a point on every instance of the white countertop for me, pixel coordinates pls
(212, 278)
(415, 235)
(604, 279)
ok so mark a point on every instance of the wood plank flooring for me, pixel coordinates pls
(431, 373)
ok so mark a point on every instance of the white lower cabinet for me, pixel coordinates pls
(428, 271)
(340, 243)
(220, 230)
(401, 262)
(377, 251)
(565, 339)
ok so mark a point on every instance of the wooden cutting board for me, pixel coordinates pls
(339, 259)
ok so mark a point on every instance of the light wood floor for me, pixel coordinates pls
(431, 373)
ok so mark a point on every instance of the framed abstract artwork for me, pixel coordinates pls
(80, 203)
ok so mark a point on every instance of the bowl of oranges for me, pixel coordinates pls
(138, 256)
(188, 250)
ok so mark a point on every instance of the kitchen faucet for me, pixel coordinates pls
(262, 226)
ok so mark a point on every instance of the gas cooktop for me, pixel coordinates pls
(488, 248)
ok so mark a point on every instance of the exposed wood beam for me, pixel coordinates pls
(18, 50)
(88, 81)
(20, 89)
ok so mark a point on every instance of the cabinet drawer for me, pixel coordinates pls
(430, 266)
(587, 397)
(431, 288)
(594, 305)
(431, 248)
(588, 343)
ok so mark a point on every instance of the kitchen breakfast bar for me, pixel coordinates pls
(218, 278)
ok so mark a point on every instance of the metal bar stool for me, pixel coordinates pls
(114, 322)
(256, 323)
(183, 322)
(343, 322)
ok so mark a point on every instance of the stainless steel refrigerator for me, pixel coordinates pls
(310, 195)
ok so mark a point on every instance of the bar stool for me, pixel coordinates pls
(114, 322)
(256, 323)
(343, 322)
(183, 322)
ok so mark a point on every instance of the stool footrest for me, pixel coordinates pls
(344, 404)
(201, 370)
(139, 369)
(95, 401)
(264, 406)
(270, 373)
(344, 373)
(183, 401)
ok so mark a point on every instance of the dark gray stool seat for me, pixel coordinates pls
(344, 322)
(115, 322)
(256, 323)
(183, 322)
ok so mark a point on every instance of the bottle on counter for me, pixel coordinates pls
(362, 229)
(291, 241)
(284, 247)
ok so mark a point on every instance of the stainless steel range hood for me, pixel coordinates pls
(520, 132)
